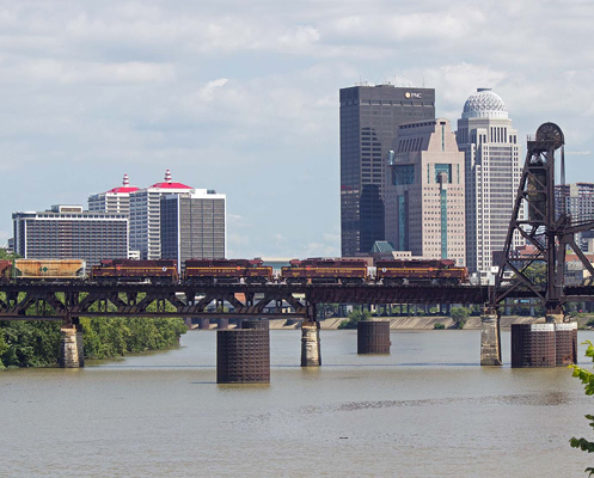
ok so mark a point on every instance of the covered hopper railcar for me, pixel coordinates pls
(49, 269)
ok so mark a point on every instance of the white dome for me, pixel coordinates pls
(484, 104)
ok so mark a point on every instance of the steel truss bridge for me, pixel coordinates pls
(67, 301)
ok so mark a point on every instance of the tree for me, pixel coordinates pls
(587, 378)
(354, 318)
(459, 316)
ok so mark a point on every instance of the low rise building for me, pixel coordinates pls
(70, 232)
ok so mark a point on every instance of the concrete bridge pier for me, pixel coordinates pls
(71, 347)
(310, 344)
(554, 318)
(490, 338)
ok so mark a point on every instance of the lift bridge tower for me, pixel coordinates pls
(549, 229)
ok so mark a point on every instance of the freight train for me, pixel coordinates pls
(233, 271)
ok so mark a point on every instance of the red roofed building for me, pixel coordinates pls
(114, 201)
(143, 208)
(145, 216)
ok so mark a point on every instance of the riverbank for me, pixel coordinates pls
(415, 322)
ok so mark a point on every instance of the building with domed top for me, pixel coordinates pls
(492, 171)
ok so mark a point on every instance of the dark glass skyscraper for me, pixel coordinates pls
(369, 120)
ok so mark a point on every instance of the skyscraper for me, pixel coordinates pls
(193, 226)
(145, 216)
(577, 200)
(369, 118)
(491, 153)
(424, 192)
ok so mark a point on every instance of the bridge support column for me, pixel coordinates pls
(552, 318)
(310, 345)
(243, 355)
(71, 347)
(490, 339)
(373, 337)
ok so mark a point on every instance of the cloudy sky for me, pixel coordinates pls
(242, 97)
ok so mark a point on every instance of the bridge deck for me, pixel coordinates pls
(55, 300)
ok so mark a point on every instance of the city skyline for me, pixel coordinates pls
(245, 100)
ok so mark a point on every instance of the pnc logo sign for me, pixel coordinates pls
(410, 94)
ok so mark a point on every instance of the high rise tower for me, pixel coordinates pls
(369, 119)
(424, 194)
(492, 163)
(114, 201)
(145, 216)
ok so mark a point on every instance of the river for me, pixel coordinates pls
(428, 409)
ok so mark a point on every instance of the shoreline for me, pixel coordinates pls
(415, 322)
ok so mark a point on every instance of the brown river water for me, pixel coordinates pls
(428, 409)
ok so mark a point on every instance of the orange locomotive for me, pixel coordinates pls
(162, 271)
(325, 270)
(227, 271)
(420, 271)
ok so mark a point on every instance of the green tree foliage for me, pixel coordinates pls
(537, 272)
(5, 255)
(459, 316)
(587, 378)
(354, 318)
(37, 344)
(29, 344)
(118, 336)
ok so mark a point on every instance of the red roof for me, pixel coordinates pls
(123, 189)
(171, 186)
(168, 184)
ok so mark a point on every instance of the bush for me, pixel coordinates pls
(587, 378)
(354, 318)
(438, 326)
(459, 316)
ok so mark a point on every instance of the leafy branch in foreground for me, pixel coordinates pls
(587, 378)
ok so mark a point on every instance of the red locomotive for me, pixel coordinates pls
(228, 271)
(419, 271)
(130, 270)
(5, 270)
(325, 270)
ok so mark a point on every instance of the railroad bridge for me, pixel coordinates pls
(550, 230)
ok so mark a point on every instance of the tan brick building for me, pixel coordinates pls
(424, 192)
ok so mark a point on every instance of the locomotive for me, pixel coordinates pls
(227, 271)
(325, 271)
(161, 271)
(420, 271)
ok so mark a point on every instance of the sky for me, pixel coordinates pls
(242, 97)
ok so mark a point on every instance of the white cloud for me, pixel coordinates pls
(244, 98)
